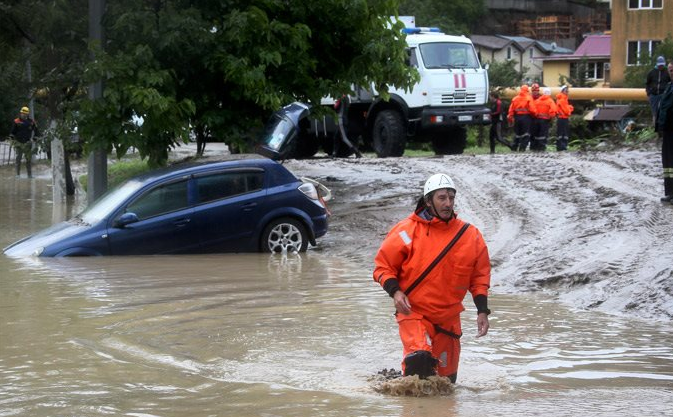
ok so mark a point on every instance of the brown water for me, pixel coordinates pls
(273, 335)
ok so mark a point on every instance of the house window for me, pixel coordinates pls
(646, 4)
(635, 49)
(590, 70)
(509, 52)
(530, 53)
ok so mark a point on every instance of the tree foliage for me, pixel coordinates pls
(223, 67)
(51, 37)
(452, 16)
(170, 67)
(503, 74)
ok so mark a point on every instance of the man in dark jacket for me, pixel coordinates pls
(23, 131)
(496, 121)
(657, 81)
(664, 125)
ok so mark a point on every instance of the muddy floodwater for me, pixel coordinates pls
(286, 335)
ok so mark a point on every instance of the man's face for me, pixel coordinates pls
(23, 115)
(670, 69)
(442, 203)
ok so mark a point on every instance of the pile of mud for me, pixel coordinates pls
(391, 382)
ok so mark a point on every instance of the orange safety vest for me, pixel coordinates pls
(564, 109)
(523, 103)
(546, 108)
(412, 245)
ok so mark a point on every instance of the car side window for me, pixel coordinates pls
(160, 200)
(228, 184)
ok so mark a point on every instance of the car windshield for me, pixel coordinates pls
(110, 201)
(448, 55)
(277, 132)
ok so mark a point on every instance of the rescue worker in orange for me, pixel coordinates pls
(522, 110)
(546, 111)
(563, 111)
(427, 263)
(535, 93)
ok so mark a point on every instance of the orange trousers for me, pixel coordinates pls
(418, 333)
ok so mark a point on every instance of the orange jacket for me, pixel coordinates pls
(412, 245)
(546, 108)
(564, 109)
(522, 103)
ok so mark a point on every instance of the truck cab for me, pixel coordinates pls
(451, 94)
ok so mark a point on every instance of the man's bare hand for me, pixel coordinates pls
(482, 324)
(402, 302)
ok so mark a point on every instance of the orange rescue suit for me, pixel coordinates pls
(564, 109)
(405, 253)
(546, 108)
(521, 104)
(414, 243)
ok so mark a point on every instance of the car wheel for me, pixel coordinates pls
(284, 235)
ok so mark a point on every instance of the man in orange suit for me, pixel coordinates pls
(563, 111)
(521, 113)
(427, 263)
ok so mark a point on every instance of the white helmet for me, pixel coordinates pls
(437, 182)
(546, 91)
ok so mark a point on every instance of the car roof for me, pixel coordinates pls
(189, 168)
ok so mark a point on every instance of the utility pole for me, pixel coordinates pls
(97, 163)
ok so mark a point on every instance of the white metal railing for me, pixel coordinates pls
(8, 155)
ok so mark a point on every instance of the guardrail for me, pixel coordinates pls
(8, 155)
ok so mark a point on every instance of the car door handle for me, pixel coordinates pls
(249, 206)
(181, 222)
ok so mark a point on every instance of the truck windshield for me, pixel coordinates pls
(448, 55)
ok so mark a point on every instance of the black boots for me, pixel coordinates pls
(420, 363)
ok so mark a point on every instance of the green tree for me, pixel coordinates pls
(50, 37)
(452, 16)
(222, 67)
(503, 74)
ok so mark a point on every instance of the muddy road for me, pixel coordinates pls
(585, 227)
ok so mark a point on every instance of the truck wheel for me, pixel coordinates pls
(389, 135)
(306, 147)
(450, 143)
(284, 234)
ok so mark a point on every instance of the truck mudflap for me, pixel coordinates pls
(444, 117)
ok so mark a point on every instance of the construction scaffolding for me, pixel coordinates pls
(557, 27)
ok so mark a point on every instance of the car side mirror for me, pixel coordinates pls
(126, 219)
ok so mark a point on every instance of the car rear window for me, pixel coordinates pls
(228, 184)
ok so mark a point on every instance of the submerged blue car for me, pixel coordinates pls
(246, 204)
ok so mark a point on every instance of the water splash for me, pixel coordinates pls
(391, 382)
